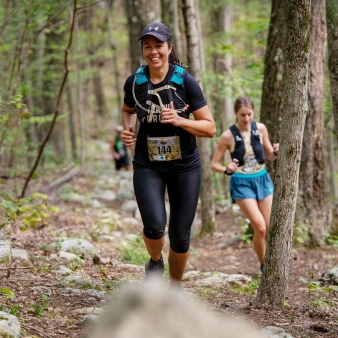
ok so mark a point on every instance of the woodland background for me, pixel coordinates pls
(63, 65)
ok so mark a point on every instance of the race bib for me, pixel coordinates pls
(164, 148)
(250, 165)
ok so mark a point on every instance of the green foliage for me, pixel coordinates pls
(8, 292)
(245, 43)
(135, 252)
(250, 288)
(40, 306)
(27, 212)
(247, 232)
(332, 240)
(317, 290)
(300, 233)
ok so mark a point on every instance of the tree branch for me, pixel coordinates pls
(56, 112)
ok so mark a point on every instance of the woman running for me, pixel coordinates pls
(162, 95)
(250, 185)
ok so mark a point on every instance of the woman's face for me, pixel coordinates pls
(244, 117)
(155, 52)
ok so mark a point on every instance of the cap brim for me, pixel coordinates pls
(158, 36)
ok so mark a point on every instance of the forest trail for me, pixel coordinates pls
(93, 246)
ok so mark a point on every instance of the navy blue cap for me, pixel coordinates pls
(157, 29)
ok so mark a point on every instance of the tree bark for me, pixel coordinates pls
(276, 265)
(101, 107)
(50, 80)
(273, 75)
(331, 144)
(332, 42)
(194, 60)
(139, 13)
(114, 60)
(71, 121)
(313, 202)
(170, 17)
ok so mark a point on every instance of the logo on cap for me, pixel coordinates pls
(150, 28)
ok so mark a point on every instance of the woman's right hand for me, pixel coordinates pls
(128, 137)
(232, 167)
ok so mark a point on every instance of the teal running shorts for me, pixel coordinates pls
(256, 186)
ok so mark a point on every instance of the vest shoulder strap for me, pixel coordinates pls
(141, 76)
(178, 75)
(234, 130)
(176, 78)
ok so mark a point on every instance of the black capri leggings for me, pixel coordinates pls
(183, 193)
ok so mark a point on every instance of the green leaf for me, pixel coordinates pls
(39, 195)
(8, 292)
(303, 280)
(333, 287)
(24, 115)
(6, 204)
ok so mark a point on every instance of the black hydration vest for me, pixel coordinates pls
(256, 144)
(142, 84)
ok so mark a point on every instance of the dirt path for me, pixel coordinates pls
(48, 307)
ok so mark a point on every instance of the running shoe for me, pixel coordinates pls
(152, 267)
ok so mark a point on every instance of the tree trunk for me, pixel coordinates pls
(114, 60)
(139, 13)
(273, 76)
(50, 81)
(313, 203)
(80, 98)
(223, 112)
(276, 265)
(332, 42)
(207, 205)
(101, 107)
(331, 143)
(71, 121)
(170, 17)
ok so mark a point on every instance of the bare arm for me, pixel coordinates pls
(270, 150)
(223, 145)
(128, 122)
(202, 126)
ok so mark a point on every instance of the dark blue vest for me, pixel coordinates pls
(256, 144)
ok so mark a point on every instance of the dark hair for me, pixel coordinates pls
(173, 58)
(243, 101)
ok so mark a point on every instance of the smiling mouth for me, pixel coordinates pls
(154, 59)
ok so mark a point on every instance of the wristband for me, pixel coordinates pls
(226, 172)
(276, 154)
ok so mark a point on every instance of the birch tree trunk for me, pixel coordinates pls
(271, 114)
(194, 60)
(276, 265)
(313, 202)
(332, 42)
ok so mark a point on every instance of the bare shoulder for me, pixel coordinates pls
(226, 137)
(261, 127)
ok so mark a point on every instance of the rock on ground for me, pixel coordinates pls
(151, 310)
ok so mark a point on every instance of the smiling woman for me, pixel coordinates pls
(162, 95)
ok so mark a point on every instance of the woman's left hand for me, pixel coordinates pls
(169, 115)
(275, 148)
